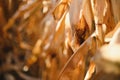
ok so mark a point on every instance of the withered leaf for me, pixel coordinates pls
(60, 9)
(75, 8)
(88, 15)
(116, 10)
(90, 71)
(109, 36)
(77, 62)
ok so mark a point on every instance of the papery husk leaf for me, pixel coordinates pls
(88, 15)
(109, 36)
(90, 71)
(77, 62)
(60, 9)
(116, 10)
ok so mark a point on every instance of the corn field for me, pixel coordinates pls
(59, 40)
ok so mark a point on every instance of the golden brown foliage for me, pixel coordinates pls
(59, 39)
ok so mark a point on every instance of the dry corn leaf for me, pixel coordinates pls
(109, 36)
(77, 62)
(87, 12)
(80, 26)
(60, 31)
(81, 33)
(74, 11)
(116, 10)
(60, 9)
(108, 17)
(90, 72)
